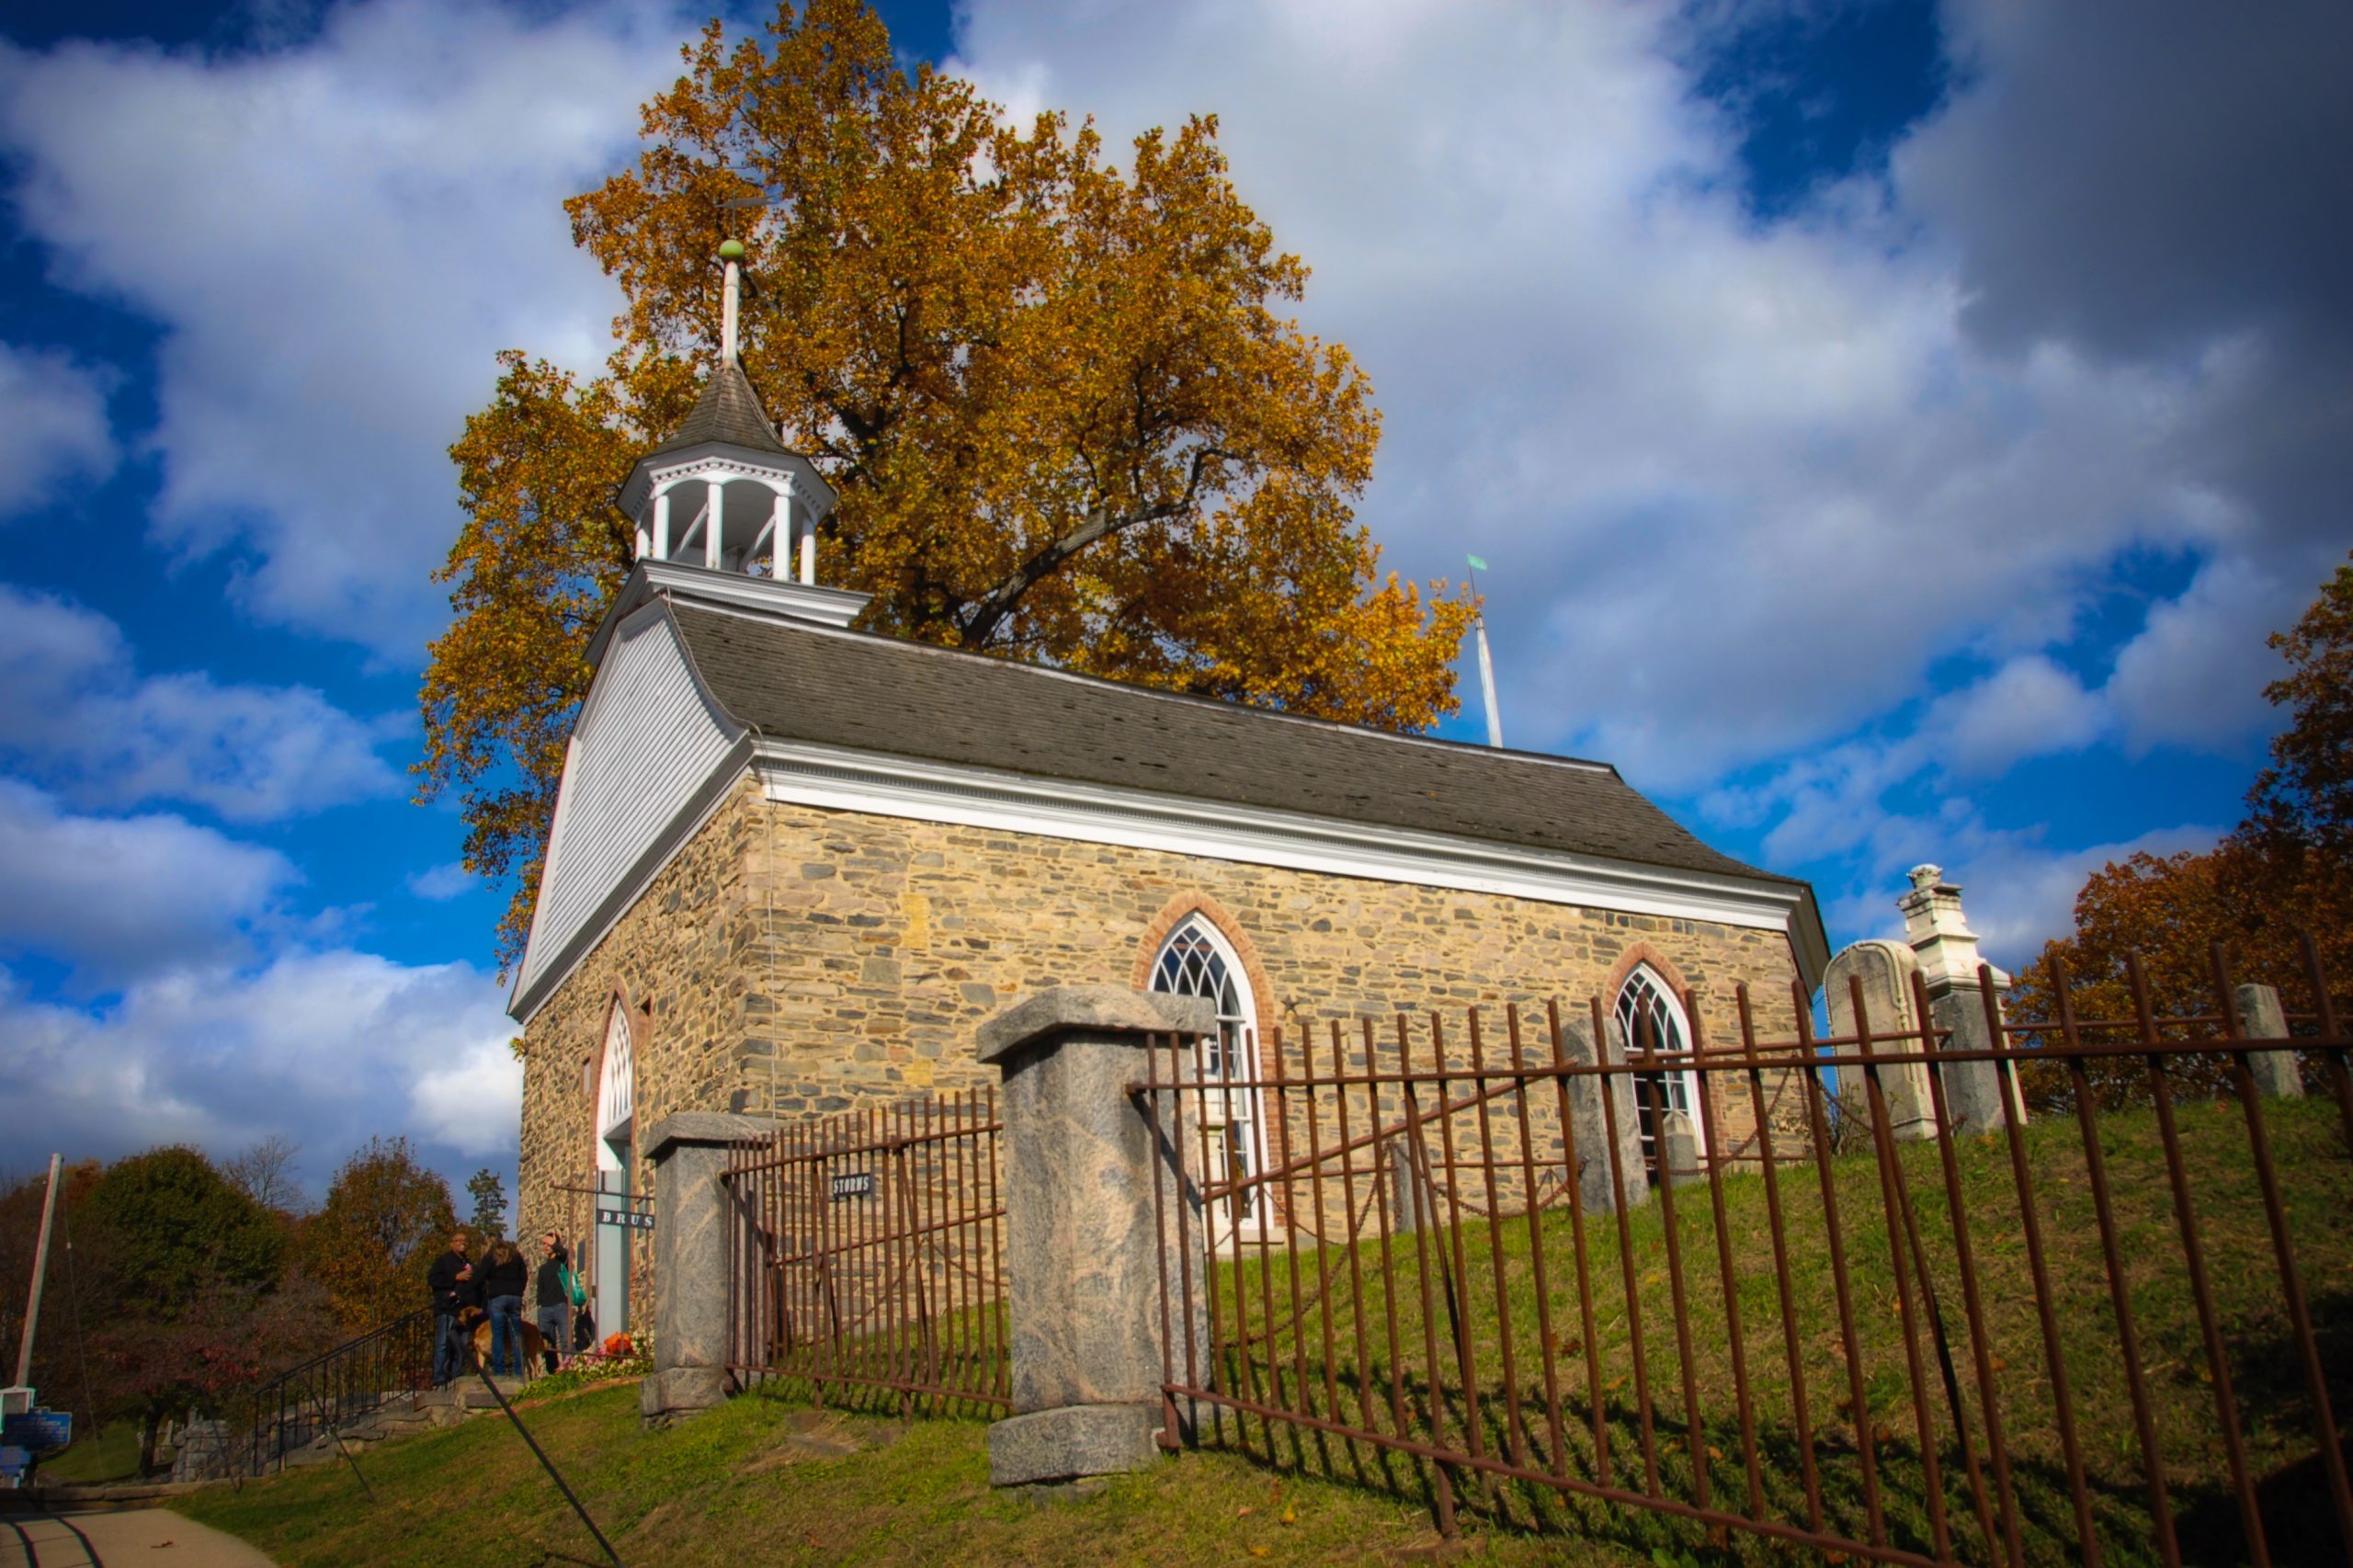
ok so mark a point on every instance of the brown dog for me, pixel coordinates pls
(533, 1344)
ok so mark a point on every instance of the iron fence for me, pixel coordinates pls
(865, 1253)
(328, 1392)
(1501, 1263)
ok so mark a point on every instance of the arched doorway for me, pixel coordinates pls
(616, 1163)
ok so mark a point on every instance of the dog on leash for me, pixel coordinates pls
(529, 1342)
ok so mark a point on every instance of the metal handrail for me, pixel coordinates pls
(331, 1389)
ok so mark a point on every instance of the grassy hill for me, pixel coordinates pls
(770, 1480)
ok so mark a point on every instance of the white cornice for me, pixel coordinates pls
(760, 599)
(859, 781)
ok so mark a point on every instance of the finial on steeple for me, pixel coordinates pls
(731, 253)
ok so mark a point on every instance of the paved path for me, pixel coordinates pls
(156, 1537)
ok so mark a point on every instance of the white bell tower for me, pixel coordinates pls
(723, 493)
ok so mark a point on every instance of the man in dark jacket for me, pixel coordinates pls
(451, 1283)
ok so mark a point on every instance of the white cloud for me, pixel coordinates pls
(117, 896)
(2030, 707)
(335, 238)
(1743, 483)
(2194, 674)
(327, 1047)
(442, 883)
(2018, 892)
(75, 712)
(54, 424)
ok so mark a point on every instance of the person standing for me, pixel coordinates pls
(450, 1284)
(551, 1295)
(503, 1276)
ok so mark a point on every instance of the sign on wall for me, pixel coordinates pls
(627, 1219)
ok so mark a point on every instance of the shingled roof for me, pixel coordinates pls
(729, 411)
(796, 682)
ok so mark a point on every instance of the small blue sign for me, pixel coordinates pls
(14, 1463)
(42, 1431)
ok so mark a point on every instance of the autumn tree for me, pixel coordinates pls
(372, 1240)
(186, 1289)
(1065, 416)
(2286, 870)
(175, 1229)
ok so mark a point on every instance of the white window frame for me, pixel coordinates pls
(1681, 1087)
(1236, 1047)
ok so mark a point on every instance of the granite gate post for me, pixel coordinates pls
(1082, 1260)
(690, 1283)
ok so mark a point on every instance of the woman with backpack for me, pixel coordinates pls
(557, 1290)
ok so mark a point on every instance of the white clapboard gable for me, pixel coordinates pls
(650, 745)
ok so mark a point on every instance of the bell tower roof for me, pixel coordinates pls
(728, 412)
(679, 494)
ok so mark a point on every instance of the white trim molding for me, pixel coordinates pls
(838, 780)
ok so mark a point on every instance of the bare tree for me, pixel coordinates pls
(264, 1173)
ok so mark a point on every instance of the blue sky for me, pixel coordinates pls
(1894, 427)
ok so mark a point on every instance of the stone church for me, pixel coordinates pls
(794, 866)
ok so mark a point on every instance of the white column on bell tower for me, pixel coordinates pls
(780, 540)
(662, 525)
(716, 522)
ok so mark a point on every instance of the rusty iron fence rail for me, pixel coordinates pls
(865, 1254)
(2089, 1337)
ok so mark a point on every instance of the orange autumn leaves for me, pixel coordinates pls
(1064, 414)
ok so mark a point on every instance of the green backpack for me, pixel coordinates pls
(572, 1288)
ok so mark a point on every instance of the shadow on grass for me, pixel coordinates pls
(2297, 1514)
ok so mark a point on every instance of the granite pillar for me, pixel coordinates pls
(690, 1236)
(1084, 1245)
(2260, 1018)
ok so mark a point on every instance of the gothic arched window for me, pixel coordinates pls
(1647, 1010)
(1198, 960)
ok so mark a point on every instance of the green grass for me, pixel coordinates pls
(737, 1485)
(1332, 1378)
(89, 1461)
(771, 1480)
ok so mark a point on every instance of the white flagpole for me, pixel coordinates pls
(1486, 664)
(40, 1268)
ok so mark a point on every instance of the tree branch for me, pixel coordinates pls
(990, 610)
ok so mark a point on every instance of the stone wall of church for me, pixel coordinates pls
(793, 960)
(676, 962)
(885, 943)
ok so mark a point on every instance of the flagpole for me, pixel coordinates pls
(40, 1268)
(1486, 663)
